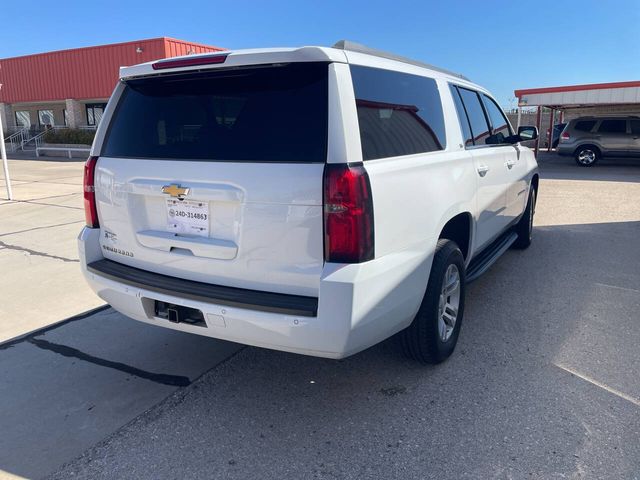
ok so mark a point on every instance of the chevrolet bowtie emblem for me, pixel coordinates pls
(175, 190)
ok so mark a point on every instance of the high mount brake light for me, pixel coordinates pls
(189, 62)
(348, 214)
(90, 210)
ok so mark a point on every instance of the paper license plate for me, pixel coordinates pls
(188, 217)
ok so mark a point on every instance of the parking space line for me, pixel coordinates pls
(595, 382)
(48, 204)
(40, 228)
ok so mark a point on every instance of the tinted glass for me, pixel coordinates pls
(635, 127)
(274, 114)
(45, 117)
(399, 114)
(462, 117)
(499, 122)
(23, 119)
(479, 126)
(584, 125)
(613, 126)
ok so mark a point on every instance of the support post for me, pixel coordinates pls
(538, 121)
(5, 163)
(519, 116)
(553, 112)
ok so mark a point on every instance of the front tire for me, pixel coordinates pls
(433, 335)
(587, 155)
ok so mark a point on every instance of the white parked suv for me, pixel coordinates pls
(313, 200)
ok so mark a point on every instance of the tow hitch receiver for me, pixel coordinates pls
(179, 314)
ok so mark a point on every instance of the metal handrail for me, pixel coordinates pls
(17, 140)
(38, 138)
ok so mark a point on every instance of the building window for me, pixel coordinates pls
(23, 119)
(94, 113)
(45, 118)
(66, 117)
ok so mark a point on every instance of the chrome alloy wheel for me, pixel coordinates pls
(587, 156)
(449, 302)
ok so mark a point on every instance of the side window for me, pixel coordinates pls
(45, 118)
(23, 119)
(635, 127)
(584, 125)
(477, 119)
(613, 126)
(500, 124)
(398, 113)
(462, 117)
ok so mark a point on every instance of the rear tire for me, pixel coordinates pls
(433, 335)
(587, 155)
(524, 227)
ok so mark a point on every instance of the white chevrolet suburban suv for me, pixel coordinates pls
(313, 200)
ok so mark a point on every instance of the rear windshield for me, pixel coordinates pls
(272, 114)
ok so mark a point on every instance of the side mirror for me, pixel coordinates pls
(527, 133)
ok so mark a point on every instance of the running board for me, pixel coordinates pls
(489, 255)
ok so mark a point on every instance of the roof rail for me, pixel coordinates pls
(357, 47)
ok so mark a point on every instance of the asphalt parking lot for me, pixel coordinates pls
(544, 382)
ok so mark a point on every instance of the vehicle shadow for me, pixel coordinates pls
(514, 401)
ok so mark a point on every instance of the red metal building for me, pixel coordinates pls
(71, 87)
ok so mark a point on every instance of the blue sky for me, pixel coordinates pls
(502, 45)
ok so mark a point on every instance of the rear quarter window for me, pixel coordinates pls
(398, 113)
(268, 114)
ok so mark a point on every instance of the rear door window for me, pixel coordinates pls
(268, 114)
(584, 125)
(462, 117)
(613, 126)
(477, 118)
(398, 113)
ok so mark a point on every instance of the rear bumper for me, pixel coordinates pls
(358, 305)
(565, 150)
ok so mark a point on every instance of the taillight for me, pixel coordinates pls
(564, 135)
(348, 214)
(90, 210)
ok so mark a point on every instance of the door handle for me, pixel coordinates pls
(510, 164)
(482, 170)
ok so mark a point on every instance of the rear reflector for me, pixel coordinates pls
(189, 61)
(90, 210)
(348, 214)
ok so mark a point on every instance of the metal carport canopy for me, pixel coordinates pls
(578, 96)
(617, 93)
